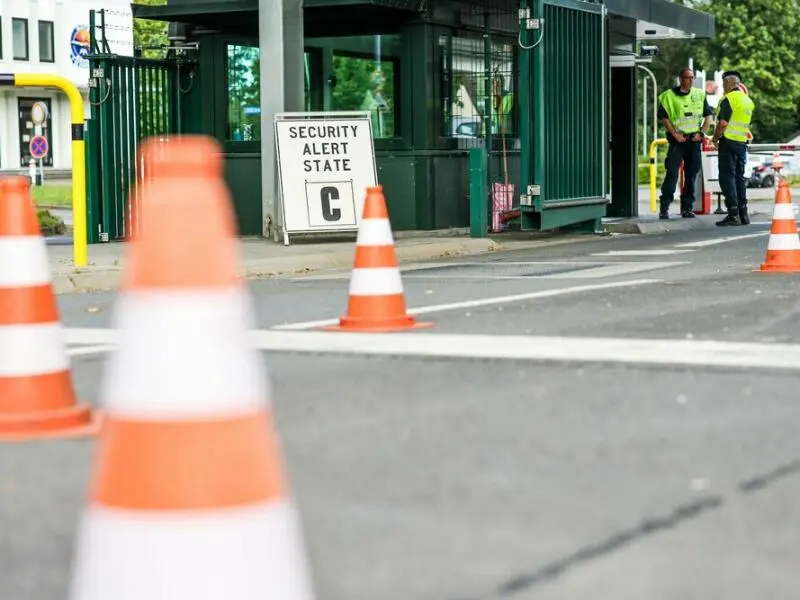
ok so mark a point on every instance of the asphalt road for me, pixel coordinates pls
(446, 477)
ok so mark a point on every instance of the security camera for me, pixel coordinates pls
(650, 51)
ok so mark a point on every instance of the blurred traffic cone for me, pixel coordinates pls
(783, 249)
(188, 498)
(376, 302)
(36, 394)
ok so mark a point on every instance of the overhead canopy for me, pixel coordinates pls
(662, 19)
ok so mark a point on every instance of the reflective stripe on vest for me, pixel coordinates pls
(685, 112)
(738, 128)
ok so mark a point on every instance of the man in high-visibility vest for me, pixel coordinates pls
(686, 115)
(734, 115)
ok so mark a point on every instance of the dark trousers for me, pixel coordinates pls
(690, 154)
(732, 160)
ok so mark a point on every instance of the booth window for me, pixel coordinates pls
(362, 73)
(464, 87)
(244, 93)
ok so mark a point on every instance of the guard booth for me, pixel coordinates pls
(528, 82)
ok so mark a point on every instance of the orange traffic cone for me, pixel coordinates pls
(783, 249)
(188, 497)
(36, 394)
(376, 302)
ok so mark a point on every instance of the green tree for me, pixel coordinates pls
(761, 40)
(147, 33)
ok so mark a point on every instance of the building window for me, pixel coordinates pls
(19, 32)
(465, 89)
(27, 130)
(243, 71)
(46, 52)
(365, 76)
(1, 38)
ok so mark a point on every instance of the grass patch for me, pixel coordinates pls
(52, 195)
(50, 224)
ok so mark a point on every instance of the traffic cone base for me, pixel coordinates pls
(376, 299)
(783, 248)
(36, 394)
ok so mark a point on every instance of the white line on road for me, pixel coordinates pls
(690, 353)
(423, 310)
(722, 240)
(655, 252)
(93, 349)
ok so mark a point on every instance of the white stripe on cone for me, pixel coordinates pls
(253, 553)
(784, 241)
(184, 354)
(783, 212)
(378, 281)
(375, 232)
(23, 261)
(32, 349)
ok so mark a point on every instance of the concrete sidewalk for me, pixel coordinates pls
(264, 258)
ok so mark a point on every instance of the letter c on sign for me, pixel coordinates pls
(327, 194)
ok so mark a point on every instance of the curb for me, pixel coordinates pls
(85, 280)
(650, 227)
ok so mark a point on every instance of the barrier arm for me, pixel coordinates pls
(79, 240)
(653, 145)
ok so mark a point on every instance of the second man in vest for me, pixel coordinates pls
(686, 115)
(734, 114)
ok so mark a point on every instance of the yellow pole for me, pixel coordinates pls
(653, 145)
(79, 241)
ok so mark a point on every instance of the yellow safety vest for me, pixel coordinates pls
(685, 112)
(738, 129)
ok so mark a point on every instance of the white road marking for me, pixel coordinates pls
(722, 240)
(690, 353)
(86, 350)
(653, 252)
(423, 310)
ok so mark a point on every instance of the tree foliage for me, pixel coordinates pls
(149, 34)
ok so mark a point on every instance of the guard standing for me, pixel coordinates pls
(731, 134)
(686, 115)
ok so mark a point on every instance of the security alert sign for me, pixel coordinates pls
(326, 161)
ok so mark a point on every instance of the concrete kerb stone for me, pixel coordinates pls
(67, 281)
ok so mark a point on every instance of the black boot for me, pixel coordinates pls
(688, 214)
(663, 213)
(743, 217)
(729, 221)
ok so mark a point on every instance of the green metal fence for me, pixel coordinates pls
(131, 98)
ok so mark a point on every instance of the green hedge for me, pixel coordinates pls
(644, 171)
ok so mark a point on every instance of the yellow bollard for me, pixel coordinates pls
(653, 146)
(79, 243)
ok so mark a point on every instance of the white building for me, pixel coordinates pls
(50, 37)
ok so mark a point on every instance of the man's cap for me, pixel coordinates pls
(736, 73)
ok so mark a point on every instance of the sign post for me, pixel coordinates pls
(39, 148)
(326, 162)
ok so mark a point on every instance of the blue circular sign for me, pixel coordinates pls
(39, 146)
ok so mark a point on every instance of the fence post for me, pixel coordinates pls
(478, 203)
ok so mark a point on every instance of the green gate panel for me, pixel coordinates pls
(397, 176)
(575, 104)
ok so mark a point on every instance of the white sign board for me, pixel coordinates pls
(326, 162)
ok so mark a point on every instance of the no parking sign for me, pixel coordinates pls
(39, 146)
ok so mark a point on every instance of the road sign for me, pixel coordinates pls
(39, 113)
(326, 162)
(39, 146)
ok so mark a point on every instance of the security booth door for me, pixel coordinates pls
(27, 130)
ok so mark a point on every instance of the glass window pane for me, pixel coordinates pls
(465, 91)
(244, 94)
(19, 29)
(365, 77)
(46, 53)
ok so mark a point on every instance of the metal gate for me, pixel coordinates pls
(131, 98)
